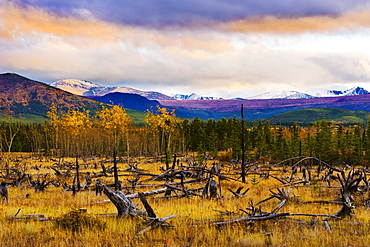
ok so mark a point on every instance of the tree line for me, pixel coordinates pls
(111, 133)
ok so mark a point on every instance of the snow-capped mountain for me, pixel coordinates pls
(312, 93)
(193, 96)
(289, 94)
(86, 88)
(74, 86)
(319, 92)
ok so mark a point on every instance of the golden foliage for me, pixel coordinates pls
(54, 116)
(162, 120)
(75, 122)
(225, 155)
(113, 120)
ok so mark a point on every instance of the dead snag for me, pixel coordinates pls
(210, 189)
(154, 221)
(349, 186)
(4, 192)
(253, 210)
(41, 186)
(238, 192)
(98, 187)
(123, 204)
(135, 181)
(281, 195)
(213, 189)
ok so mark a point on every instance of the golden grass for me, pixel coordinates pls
(193, 224)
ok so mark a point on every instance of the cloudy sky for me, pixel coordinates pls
(227, 48)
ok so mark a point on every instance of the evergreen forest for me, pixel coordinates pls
(78, 133)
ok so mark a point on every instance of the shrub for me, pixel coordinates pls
(76, 221)
(225, 155)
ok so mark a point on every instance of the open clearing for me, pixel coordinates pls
(311, 204)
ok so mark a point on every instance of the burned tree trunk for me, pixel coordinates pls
(349, 186)
(154, 221)
(4, 192)
(123, 204)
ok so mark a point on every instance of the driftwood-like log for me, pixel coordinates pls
(186, 192)
(148, 193)
(123, 204)
(252, 218)
(136, 195)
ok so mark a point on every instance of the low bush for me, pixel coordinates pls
(76, 221)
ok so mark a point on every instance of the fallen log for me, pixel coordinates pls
(187, 192)
(252, 218)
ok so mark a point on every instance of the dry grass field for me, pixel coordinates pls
(31, 217)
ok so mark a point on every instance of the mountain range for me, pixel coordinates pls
(28, 99)
(86, 88)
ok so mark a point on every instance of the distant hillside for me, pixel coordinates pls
(127, 100)
(308, 116)
(26, 99)
(312, 93)
(262, 108)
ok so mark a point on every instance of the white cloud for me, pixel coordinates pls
(172, 60)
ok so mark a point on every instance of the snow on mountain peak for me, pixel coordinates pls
(319, 92)
(86, 88)
(193, 96)
(288, 94)
(74, 83)
(312, 93)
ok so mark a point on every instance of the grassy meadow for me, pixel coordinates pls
(194, 223)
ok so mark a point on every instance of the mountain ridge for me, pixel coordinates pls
(127, 100)
(24, 97)
(86, 88)
(20, 95)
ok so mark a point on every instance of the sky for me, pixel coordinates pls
(222, 48)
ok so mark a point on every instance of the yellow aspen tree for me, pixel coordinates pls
(76, 124)
(165, 123)
(114, 121)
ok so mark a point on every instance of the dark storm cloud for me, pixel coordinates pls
(178, 12)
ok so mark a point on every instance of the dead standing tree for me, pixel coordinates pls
(4, 192)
